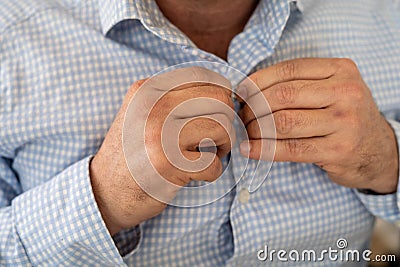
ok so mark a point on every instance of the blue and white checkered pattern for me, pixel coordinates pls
(65, 67)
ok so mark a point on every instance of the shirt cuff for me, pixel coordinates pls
(386, 206)
(128, 241)
(59, 222)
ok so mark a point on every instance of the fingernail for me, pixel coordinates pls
(245, 148)
(241, 90)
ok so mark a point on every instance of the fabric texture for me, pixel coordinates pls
(65, 66)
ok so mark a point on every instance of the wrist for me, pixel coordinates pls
(383, 185)
(386, 180)
(102, 201)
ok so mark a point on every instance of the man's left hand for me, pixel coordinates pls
(324, 114)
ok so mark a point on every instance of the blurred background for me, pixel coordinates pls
(385, 241)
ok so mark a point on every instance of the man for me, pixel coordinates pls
(69, 199)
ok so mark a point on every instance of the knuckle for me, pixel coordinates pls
(199, 73)
(286, 70)
(286, 93)
(355, 90)
(347, 65)
(350, 90)
(284, 122)
(221, 95)
(292, 146)
(295, 146)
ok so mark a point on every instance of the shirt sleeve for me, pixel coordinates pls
(57, 223)
(386, 206)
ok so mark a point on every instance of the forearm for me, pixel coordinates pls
(387, 181)
(386, 206)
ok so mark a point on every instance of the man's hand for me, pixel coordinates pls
(324, 114)
(122, 201)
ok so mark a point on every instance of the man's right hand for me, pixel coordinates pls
(121, 200)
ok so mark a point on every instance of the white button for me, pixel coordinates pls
(244, 195)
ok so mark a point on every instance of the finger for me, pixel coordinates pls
(198, 101)
(183, 165)
(201, 87)
(292, 123)
(213, 170)
(217, 128)
(289, 95)
(128, 97)
(182, 79)
(296, 69)
(200, 170)
(306, 150)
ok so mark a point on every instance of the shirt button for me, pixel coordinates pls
(244, 195)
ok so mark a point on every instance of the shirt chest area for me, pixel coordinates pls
(59, 99)
(68, 93)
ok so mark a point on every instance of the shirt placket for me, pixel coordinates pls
(255, 44)
(252, 46)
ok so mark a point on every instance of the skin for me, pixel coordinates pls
(122, 202)
(324, 114)
(323, 110)
(210, 24)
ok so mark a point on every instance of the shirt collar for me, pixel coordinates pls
(111, 12)
(147, 12)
